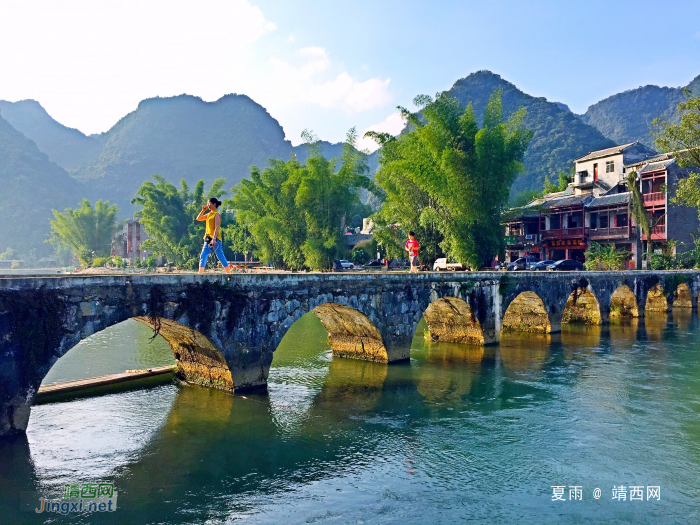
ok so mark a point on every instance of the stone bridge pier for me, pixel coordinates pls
(223, 330)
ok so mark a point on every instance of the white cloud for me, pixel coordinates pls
(89, 63)
(343, 92)
(393, 124)
(351, 95)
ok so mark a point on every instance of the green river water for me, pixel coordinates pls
(459, 434)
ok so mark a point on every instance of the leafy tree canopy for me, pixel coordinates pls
(294, 215)
(86, 230)
(684, 138)
(449, 180)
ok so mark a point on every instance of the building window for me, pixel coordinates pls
(621, 220)
(610, 166)
(603, 221)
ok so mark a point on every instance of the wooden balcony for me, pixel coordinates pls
(654, 198)
(658, 233)
(622, 232)
(565, 233)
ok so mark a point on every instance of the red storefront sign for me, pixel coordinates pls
(567, 243)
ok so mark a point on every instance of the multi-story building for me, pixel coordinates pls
(594, 208)
(128, 242)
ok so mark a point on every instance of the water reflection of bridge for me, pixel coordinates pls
(223, 330)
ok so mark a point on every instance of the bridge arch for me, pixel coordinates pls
(623, 303)
(351, 333)
(656, 299)
(198, 359)
(682, 297)
(526, 313)
(451, 319)
(581, 308)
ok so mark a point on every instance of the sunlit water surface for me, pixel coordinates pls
(458, 434)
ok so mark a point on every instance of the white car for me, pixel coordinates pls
(442, 265)
(346, 265)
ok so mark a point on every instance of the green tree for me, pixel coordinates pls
(683, 138)
(449, 180)
(688, 192)
(9, 255)
(86, 230)
(636, 209)
(294, 215)
(168, 216)
(562, 183)
(329, 199)
(267, 220)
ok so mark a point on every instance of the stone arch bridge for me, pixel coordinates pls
(223, 329)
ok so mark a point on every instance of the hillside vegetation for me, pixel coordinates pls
(31, 186)
(559, 136)
(627, 116)
(67, 147)
(184, 137)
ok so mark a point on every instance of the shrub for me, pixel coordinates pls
(99, 262)
(359, 256)
(605, 257)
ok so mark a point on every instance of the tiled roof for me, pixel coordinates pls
(566, 201)
(656, 166)
(605, 152)
(656, 158)
(609, 200)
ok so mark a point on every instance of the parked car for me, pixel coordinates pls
(346, 265)
(399, 263)
(374, 264)
(566, 265)
(441, 265)
(541, 266)
(524, 263)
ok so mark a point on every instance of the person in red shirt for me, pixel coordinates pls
(412, 246)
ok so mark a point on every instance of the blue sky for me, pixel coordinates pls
(327, 65)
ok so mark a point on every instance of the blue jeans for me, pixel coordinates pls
(218, 250)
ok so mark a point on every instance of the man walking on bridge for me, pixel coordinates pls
(412, 246)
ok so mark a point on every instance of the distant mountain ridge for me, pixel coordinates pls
(335, 150)
(184, 137)
(627, 117)
(559, 135)
(31, 186)
(67, 147)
